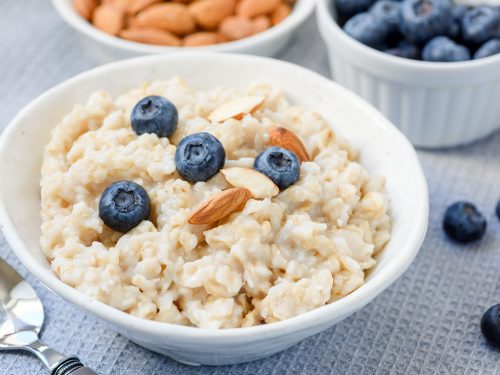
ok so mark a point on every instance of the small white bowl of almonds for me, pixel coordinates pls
(137, 27)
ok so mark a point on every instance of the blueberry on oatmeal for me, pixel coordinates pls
(124, 205)
(463, 222)
(280, 165)
(154, 114)
(490, 325)
(199, 157)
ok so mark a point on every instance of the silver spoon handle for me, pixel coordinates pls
(57, 363)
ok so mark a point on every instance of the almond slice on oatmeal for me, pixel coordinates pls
(257, 183)
(220, 206)
(285, 138)
(236, 108)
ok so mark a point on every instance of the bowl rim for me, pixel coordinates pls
(325, 16)
(296, 18)
(340, 309)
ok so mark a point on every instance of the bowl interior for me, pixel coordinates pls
(383, 150)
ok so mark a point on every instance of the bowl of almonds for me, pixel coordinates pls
(136, 27)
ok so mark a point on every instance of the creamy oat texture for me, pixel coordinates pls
(277, 258)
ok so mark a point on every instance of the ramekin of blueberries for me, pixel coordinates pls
(428, 30)
(463, 223)
(432, 67)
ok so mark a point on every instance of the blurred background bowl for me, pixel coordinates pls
(267, 43)
(434, 104)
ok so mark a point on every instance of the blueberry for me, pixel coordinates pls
(480, 24)
(458, 11)
(405, 49)
(421, 20)
(349, 8)
(388, 11)
(280, 165)
(154, 114)
(498, 209)
(455, 29)
(124, 205)
(442, 48)
(367, 29)
(489, 48)
(490, 325)
(199, 157)
(463, 223)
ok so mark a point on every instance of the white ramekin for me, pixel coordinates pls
(434, 104)
(380, 143)
(267, 43)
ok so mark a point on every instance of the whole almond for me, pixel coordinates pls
(261, 23)
(121, 4)
(201, 39)
(136, 6)
(284, 138)
(257, 183)
(150, 35)
(209, 13)
(171, 17)
(236, 108)
(109, 19)
(254, 8)
(235, 27)
(280, 13)
(85, 7)
(220, 206)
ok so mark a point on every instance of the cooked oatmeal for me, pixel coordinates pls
(276, 258)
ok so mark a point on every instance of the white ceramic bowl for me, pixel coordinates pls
(434, 104)
(267, 43)
(384, 150)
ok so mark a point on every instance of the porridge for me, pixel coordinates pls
(239, 242)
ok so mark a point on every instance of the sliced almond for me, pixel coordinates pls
(220, 206)
(150, 35)
(172, 17)
(254, 8)
(109, 19)
(259, 184)
(85, 7)
(236, 108)
(285, 138)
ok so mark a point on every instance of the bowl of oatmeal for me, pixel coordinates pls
(309, 204)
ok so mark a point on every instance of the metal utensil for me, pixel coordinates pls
(21, 318)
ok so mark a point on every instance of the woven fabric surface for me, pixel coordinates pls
(426, 323)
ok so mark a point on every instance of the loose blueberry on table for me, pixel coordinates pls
(280, 165)
(490, 325)
(124, 205)
(199, 157)
(429, 30)
(154, 114)
(463, 222)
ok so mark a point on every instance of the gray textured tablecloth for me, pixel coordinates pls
(426, 323)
